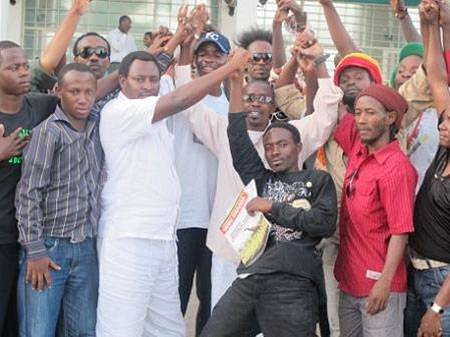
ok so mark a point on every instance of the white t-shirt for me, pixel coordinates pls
(142, 194)
(197, 168)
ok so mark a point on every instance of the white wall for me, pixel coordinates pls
(243, 19)
(11, 23)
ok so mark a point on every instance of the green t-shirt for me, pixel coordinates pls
(41, 81)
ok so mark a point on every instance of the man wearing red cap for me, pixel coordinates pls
(376, 216)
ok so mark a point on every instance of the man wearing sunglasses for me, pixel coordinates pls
(210, 128)
(259, 43)
(94, 51)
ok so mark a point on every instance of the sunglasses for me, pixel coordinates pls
(87, 52)
(278, 116)
(349, 190)
(258, 98)
(266, 57)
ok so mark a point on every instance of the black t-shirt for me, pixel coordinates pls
(431, 238)
(304, 209)
(35, 109)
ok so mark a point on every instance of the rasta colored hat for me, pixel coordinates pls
(359, 60)
(412, 48)
(389, 98)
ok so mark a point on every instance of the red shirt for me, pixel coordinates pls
(377, 202)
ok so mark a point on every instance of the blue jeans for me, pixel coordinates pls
(74, 288)
(425, 285)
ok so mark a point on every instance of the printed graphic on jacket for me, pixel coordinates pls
(297, 195)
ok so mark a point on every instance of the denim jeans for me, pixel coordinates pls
(421, 293)
(284, 305)
(74, 288)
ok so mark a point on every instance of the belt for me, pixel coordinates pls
(422, 263)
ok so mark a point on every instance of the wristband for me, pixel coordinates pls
(437, 309)
(400, 15)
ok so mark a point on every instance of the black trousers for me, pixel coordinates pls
(195, 257)
(284, 305)
(9, 257)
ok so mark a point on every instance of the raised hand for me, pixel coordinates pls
(429, 11)
(281, 14)
(398, 6)
(158, 44)
(239, 59)
(444, 13)
(81, 6)
(198, 19)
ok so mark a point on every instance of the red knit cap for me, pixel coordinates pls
(359, 60)
(388, 97)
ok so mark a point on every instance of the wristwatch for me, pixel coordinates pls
(437, 309)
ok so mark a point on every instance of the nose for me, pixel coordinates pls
(256, 103)
(146, 85)
(93, 58)
(24, 72)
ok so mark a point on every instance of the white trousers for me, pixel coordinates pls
(223, 273)
(138, 292)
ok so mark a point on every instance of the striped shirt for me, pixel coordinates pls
(377, 202)
(58, 194)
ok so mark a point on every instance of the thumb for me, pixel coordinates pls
(54, 266)
(2, 130)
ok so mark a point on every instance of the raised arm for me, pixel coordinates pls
(57, 47)
(190, 93)
(246, 160)
(341, 38)
(278, 55)
(444, 18)
(436, 68)
(401, 13)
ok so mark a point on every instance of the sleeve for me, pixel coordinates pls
(417, 93)
(320, 220)
(206, 124)
(36, 175)
(164, 60)
(132, 118)
(346, 134)
(246, 160)
(316, 128)
(41, 81)
(397, 194)
(289, 100)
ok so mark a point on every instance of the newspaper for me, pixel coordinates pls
(247, 234)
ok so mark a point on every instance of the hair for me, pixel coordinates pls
(128, 60)
(75, 45)
(123, 18)
(82, 68)
(252, 35)
(6, 44)
(262, 82)
(283, 125)
(148, 34)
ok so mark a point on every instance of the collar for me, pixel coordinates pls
(59, 115)
(383, 154)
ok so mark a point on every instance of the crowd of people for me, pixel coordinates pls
(118, 169)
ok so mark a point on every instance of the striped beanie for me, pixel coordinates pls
(359, 60)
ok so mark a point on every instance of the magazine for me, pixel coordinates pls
(247, 234)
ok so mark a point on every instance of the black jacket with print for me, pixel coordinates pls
(304, 209)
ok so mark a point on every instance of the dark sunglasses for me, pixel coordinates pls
(278, 116)
(258, 98)
(266, 57)
(87, 52)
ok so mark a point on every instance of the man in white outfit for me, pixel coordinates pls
(122, 43)
(138, 293)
